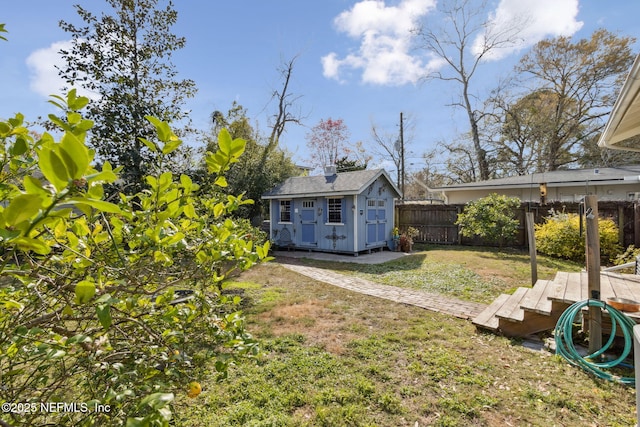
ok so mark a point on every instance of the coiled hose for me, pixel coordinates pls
(590, 363)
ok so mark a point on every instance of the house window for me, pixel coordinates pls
(334, 209)
(307, 204)
(285, 210)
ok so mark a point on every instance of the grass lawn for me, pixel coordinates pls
(335, 358)
(470, 273)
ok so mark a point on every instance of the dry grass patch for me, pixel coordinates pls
(336, 358)
(321, 326)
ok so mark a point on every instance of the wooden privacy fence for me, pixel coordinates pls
(436, 223)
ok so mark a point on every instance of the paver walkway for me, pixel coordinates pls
(434, 302)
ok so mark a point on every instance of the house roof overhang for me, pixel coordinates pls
(623, 175)
(624, 121)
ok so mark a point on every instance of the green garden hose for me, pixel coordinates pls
(593, 363)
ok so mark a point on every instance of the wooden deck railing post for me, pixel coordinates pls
(593, 271)
(531, 237)
(636, 363)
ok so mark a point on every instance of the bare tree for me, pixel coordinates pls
(285, 103)
(464, 38)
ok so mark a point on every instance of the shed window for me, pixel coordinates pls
(285, 210)
(334, 208)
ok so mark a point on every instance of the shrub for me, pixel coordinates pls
(560, 236)
(491, 218)
(88, 310)
(629, 255)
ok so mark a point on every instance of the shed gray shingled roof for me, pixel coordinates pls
(343, 183)
(559, 178)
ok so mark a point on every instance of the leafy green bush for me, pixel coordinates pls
(491, 218)
(629, 255)
(88, 311)
(560, 236)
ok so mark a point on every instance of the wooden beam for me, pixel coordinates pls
(636, 221)
(593, 271)
(532, 247)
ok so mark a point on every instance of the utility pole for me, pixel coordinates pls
(402, 154)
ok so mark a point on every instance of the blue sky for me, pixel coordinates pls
(355, 59)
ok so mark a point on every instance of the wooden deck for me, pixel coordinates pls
(536, 309)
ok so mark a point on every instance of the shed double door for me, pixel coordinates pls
(308, 222)
(376, 221)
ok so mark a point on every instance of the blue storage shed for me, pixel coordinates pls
(347, 212)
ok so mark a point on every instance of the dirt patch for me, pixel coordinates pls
(315, 320)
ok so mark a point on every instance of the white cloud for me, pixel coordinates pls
(44, 78)
(385, 38)
(539, 18)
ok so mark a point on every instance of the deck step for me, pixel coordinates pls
(569, 287)
(532, 310)
(487, 319)
(537, 299)
(511, 310)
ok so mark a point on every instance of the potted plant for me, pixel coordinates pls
(406, 239)
(395, 235)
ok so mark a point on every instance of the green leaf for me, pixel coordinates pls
(6, 234)
(190, 211)
(150, 144)
(69, 162)
(106, 175)
(11, 304)
(85, 291)
(100, 205)
(75, 155)
(224, 142)
(22, 208)
(162, 128)
(76, 103)
(53, 168)
(162, 258)
(78, 339)
(73, 118)
(186, 181)
(19, 147)
(33, 185)
(171, 146)
(221, 181)
(218, 209)
(104, 315)
(59, 122)
(165, 181)
(237, 147)
(84, 126)
(136, 422)
(157, 400)
(29, 244)
(172, 240)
